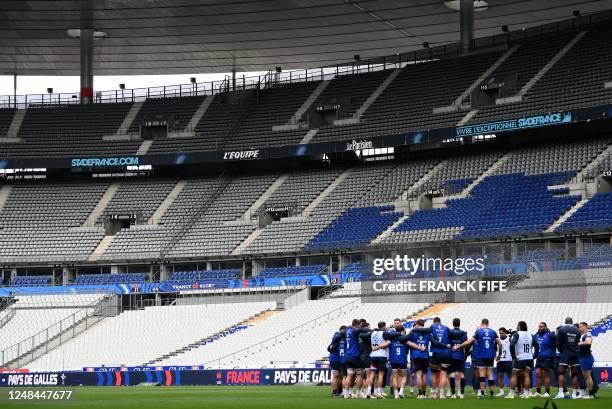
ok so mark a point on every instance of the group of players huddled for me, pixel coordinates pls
(360, 358)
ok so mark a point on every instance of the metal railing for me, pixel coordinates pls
(7, 317)
(61, 331)
(295, 330)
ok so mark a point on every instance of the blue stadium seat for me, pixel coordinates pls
(596, 214)
(104, 279)
(499, 206)
(31, 281)
(354, 228)
(271, 272)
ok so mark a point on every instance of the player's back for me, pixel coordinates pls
(420, 340)
(457, 336)
(486, 347)
(568, 338)
(352, 343)
(440, 333)
(523, 341)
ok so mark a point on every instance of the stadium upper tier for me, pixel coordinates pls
(542, 75)
(488, 192)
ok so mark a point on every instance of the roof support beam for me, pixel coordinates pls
(466, 25)
(87, 51)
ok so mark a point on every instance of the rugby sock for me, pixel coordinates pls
(483, 381)
(401, 391)
(538, 390)
(548, 391)
(462, 384)
(452, 385)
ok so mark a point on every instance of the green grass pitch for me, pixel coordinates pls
(270, 397)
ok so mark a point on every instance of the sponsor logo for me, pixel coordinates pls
(242, 377)
(105, 162)
(32, 380)
(193, 286)
(358, 145)
(241, 155)
(297, 376)
(513, 124)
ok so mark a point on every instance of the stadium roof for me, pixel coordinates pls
(204, 36)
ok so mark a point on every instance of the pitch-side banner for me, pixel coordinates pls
(226, 377)
(289, 376)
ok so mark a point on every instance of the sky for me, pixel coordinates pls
(70, 84)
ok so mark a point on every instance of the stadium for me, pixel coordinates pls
(376, 199)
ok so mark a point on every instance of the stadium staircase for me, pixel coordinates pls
(261, 200)
(525, 89)
(309, 135)
(312, 98)
(391, 228)
(129, 118)
(13, 130)
(5, 191)
(566, 215)
(432, 310)
(167, 202)
(100, 248)
(424, 179)
(101, 205)
(370, 100)
(199, 113)
(326, 192)
(458, 103)
(189, 220)
(490, 171)
(82, 320)
(257, 318)
(144, 147)
(401, 202)
(592, 165)
(247, 242)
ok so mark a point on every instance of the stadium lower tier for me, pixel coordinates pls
(284, 330)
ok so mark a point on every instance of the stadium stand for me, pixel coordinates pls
(35, 318)
(27, 281)
(595, 214)
(165, 329)
(6, 117)
(568, 84)
(137, 197)
(95, 279)
(500, 206)
(180, 109)
(179, 276)
(291, 271)
(70, 131)
(354, 228)
(245, 121)
(286, 338)
(408, 103)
